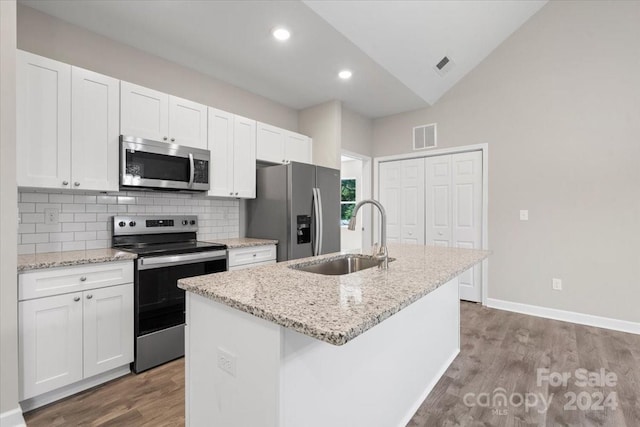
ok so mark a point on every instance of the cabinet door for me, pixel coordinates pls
(50, 343)
(244, 158)
(95, 127)
(438, 200)
(297, 148)
(187, 123)
(144, 112)
(43, 109)
(270, 143)
(221, 125)
(108, 328)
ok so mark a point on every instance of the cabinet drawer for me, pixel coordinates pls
(56, 281)
(251, 255)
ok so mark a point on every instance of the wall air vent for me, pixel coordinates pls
(424, 137)
(444, 66)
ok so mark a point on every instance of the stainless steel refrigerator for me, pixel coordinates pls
(299, 205)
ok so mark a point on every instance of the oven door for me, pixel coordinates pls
(160, 304)
(153, 164)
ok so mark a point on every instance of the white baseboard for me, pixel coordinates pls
(416, 405)
(71, 389)
(566, 316)
(12, 418)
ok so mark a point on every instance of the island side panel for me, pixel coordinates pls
(378, 379)
(215, 397)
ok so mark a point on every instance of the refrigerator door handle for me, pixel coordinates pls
(316, 223)
(321, 224)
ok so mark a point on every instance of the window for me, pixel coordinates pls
(347, 199)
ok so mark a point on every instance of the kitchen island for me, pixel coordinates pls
(277, 346)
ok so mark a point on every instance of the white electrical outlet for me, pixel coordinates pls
(524, 215)
(556, 284)
(50, 216)
(227, 362)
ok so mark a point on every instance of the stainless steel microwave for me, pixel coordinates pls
(147, 164)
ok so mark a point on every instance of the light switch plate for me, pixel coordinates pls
(524, 215)
(556, 284)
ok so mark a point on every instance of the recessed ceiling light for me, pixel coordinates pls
(345, 74)
(281, 33)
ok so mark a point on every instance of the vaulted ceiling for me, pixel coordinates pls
(391, 47)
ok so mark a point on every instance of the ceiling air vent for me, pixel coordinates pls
(444, 66)
(424, 136)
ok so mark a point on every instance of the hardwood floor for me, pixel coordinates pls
(499, 349)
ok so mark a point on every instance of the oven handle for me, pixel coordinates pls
(169, 260)
(192, 170)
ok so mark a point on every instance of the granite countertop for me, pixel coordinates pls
(70, 258)
(244, 242)
(335, 309)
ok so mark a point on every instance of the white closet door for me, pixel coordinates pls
(467, 216)
(412, 202)
(390, 178)
(438, 201)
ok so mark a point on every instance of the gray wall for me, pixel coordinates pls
(356, 133)
(323, 123)
(558, 105)
(51, 37)
(8, 209)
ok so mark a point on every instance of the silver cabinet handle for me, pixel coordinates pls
(255, 255)
(173, 139)
(284, 161)
(77, 184)
(236, 194)
(65, 182)
(231, 194)
(440, 233)
(89, 296)
(83, 279)
(76, 299)
(164, 138)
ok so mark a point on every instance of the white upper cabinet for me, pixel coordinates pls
(187, 123)
(244, 158)
(95, 106)
(68, 126)
(150, 114)
(232, 142)
(276, 145)
(43, 122)
(144, 112)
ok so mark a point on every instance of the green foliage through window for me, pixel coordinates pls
(347, 199)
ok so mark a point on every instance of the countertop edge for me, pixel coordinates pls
(43, 265)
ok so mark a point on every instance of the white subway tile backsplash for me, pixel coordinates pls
(85, 220)
(60, 198)
(73, 207)
(48, 228)
(34, 197)
(74, 246)
(73, 226)
(48, 247)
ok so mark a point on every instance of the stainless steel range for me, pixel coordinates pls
(167, 250)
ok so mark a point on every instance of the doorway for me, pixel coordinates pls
(355, 179)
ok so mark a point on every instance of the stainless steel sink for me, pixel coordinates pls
(345, 264)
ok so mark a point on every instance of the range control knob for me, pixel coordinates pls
(193, 222)
(132, 224)
(122, 223)
(185, 222)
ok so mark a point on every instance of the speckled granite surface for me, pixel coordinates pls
(244, 242)
(335, 309)
(69, 258)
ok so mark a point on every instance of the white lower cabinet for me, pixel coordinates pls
(70, 337)
(241, 258)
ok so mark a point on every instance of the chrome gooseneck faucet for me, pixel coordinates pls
(382, 254)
